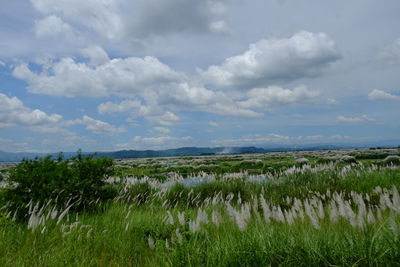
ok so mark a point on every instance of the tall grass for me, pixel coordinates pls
(326, 215)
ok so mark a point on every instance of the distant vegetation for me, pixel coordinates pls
(324, 208)
(77, 182)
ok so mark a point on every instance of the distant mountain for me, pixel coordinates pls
(200, 151)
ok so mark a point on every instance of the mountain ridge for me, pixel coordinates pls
(198, 151)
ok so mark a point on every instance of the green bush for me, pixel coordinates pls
(80, 180)
(140, 193)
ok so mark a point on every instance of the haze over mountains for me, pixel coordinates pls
(201, 151)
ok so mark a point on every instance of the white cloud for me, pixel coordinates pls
(102, 17)
(356, 119)
(165, 17)
(98, 127)
(305, 54)
(379, 95)
(63, 139)
(96, 55)
(126, 20)
(13, 146)
(52, 26)
(150, 88)
(158, 88)
(265, 98)
(390, 53)
(219, 26)
(213, 123)
(164, 119)
(161, 130)
(124, 106)
(153, 113)
(2, 64)
(14, 112)
(123, 77)
(332, 102)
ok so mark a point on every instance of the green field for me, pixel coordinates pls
(326, 208)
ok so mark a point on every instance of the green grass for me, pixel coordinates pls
(118, 233)
(109, 244)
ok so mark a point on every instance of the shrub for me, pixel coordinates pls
(140, 192)
(347, 159)
(392, 159)
(301, 161)
(80, 180)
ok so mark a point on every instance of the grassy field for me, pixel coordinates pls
(329, 208)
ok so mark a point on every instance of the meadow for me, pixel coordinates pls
(319, 208)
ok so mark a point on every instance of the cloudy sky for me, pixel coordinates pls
(154, 74)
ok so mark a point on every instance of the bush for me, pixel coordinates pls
(80, 180)
(348, 159)
(140, 192)
(392, 159)
(301, 161)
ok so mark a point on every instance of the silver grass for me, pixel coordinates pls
(266, 210)
(150, 242)
(216, 218)
(178, 236)
(181, 218)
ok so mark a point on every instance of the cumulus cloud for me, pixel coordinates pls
(119, 76)
(102, 17)
(98, 127)
(173, 16)
(14, 112)
(161, 130)
(63, 139)
(305, 54)
(265, 98)
(153, 113)
(356, 119)
(150, 88)
(379, 95)
(123, 107)
(96, 55)
(52, 26)
(127, 20)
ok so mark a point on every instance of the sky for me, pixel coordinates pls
(155, 74)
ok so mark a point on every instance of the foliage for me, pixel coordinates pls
(334, 214)
(80, 180)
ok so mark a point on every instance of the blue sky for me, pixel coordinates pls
(154, 74)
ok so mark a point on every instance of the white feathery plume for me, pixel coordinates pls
(216, 218)
(266, 210)
(333, 211)
(151, 243)
(179, 236)
(370, 217)
(169, 219)
(393, 225)
(311, 214)
(321, 212)
(395, 199)
(181, 218)
(277, 214)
